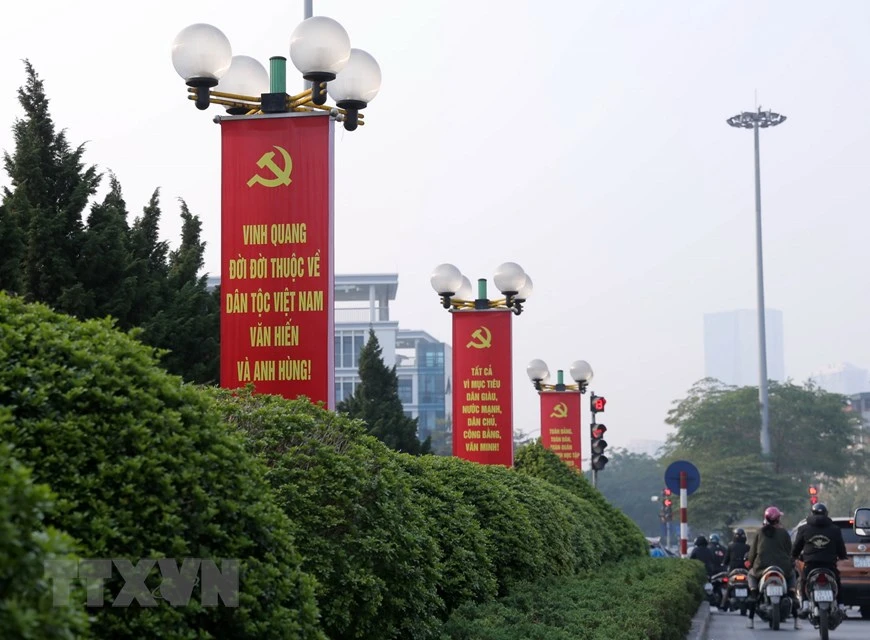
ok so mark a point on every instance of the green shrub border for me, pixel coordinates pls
(635, 599)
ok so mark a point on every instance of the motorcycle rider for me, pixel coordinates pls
(819, 543)
(703, 553)
(736, 551)
(718, 552)
(770, 547)
(735, 556)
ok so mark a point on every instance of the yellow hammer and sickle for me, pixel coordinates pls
(282, 176)
(560, 411)
(481, 339)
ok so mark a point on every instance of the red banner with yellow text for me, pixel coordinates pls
(482, 387)
(277, 277)
(560, 424)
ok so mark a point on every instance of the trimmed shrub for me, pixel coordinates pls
(27, 611)
(355, 518)
(636, 599)
(467, 569)
(623, 537)
(143, 468)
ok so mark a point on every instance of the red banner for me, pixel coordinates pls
(560, 424)
(482, 387)
(277, 279)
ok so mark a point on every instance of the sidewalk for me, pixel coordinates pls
(700, 623)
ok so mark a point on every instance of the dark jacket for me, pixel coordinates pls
(735, 555)
(819, 541)
(770, 547)
(719, 554)
(706, 556)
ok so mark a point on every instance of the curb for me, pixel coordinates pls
(700, 623)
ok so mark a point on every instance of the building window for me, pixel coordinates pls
(406, 390)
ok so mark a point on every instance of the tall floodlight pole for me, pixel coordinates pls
(756, 120)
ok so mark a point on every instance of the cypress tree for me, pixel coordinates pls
(11, 249)
(376, 401)
(189, 325)
(105, 259)
(148, 269)
(43, 210)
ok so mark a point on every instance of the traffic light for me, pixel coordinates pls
(814, 495)
(598, 446)
(667, 505)
(596, 404)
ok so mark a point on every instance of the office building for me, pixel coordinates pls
(731, 346)
(842, 378)
(423, 364)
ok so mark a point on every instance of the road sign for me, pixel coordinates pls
(672, 476)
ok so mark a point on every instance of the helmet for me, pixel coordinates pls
(740, 534)
(700, 541)
(819, 509)
(772, 515)
(714, 538)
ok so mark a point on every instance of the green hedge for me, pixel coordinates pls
(624, 537)
(361, 532)
(27, 610)
(144, 468)
(636, 599)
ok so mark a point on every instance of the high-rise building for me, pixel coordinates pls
(731, 346)
(842, 378)
(423, 364)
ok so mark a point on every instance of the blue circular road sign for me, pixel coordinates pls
(672, 476)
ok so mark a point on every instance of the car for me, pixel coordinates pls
(854, 572)
(656, 543)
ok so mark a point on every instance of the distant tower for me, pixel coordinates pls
(731, 346)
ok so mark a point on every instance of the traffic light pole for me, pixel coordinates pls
(592, 426)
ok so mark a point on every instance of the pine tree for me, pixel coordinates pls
(105, 259)
(43, 210)
(376, 401)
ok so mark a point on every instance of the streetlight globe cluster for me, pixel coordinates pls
(320, 49)
(456, 291)
(539, 374)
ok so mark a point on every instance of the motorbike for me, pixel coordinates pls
(737, 592)
(719, 584)
(821, 590)
(774, 605)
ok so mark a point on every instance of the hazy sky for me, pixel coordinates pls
(584, 140)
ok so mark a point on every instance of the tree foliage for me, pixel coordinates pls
(376, 402)
(717, 428)
(630, 481)
(105, 267)
(144, 468)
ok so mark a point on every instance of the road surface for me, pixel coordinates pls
(732, 626)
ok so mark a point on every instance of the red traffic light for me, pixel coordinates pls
(813, 491)
(668, 502)
(598, 403)
(814, 500)
(668, 492)
(598, 431)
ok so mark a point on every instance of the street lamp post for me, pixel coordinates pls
(756, 120)
(482, 367)
(561, 423)
(277, 218)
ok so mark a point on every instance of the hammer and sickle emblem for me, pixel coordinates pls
(560, 411)
(481, 339)
(266, 161)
